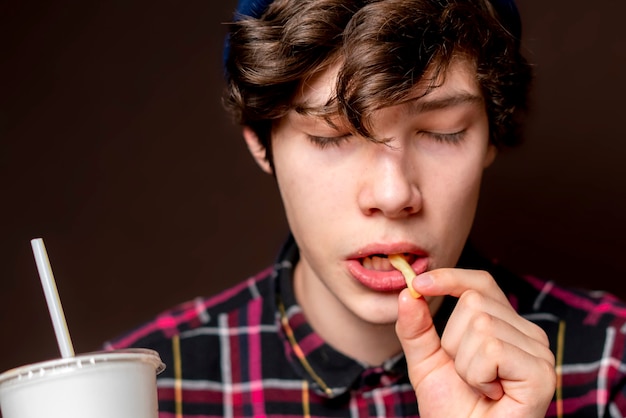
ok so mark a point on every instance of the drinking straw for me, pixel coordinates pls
(52, 298)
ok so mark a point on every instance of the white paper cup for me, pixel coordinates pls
(108, 384)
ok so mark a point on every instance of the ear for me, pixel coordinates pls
(492, 151)
(257, 150)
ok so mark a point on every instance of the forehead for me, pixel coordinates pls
(318, 89)
(459, 79)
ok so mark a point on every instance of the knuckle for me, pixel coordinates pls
(472, 300)
(540, 335)
(482, 323)
(484, 276)
(537, 333)
(548, 376)
(492, 348)
(550, 360)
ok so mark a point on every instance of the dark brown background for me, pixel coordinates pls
(115, 150)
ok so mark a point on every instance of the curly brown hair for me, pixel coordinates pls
(385, 48)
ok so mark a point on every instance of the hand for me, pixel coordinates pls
(490, 362)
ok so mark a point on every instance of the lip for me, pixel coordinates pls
(385, 281)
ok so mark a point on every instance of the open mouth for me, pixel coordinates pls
(376, 272)
(380, 262)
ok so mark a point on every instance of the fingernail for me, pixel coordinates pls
(423, 280)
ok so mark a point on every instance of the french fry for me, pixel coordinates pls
(399, 263)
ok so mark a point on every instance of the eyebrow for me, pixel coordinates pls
(423, 104)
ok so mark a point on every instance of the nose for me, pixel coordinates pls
(389, 184)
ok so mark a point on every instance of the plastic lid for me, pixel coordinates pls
(63, 365)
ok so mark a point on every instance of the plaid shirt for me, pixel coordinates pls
(249, 352)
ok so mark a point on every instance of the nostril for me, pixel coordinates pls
(410, 210)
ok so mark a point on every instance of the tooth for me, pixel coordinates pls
(367, 263)
(383, 264)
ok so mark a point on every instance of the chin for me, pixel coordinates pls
(375, 314)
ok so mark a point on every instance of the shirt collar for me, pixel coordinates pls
(329, 372)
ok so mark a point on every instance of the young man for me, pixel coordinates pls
(377, 119)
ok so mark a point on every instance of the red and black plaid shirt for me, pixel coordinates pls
(249, 352)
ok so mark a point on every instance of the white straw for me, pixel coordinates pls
(52, 297)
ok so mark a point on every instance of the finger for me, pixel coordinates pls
(455, 282)
(483, 315)
(499, 368)
(484, 327)
(477, 291)
(419, 339)
(484, 332)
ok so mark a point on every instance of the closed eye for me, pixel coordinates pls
(450, 138)
(323, 141)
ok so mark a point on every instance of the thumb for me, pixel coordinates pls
(417, 334)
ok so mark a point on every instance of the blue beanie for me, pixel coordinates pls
(252, 8)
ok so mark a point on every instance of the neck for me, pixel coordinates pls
(365, 342)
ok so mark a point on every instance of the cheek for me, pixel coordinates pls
(309, 179)
(455, 193)
(308, 193)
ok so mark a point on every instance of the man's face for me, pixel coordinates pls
(350, 201)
